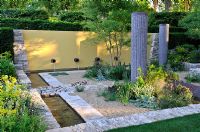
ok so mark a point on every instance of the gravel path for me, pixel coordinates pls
(107, 108)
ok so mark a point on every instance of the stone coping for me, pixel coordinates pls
(131, 120)
(52, 81)
(188, 65)
(43, 110)
(23, 78)
(86, 111)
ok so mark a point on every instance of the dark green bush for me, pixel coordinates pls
(171, 18)
(24, 14)
(6, 66)
(181, 38)
(72, 17)
(40, 25)
(116, 72)
(6, 40)
(176, 97)
(155, 29)
(183, 53)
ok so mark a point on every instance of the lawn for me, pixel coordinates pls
(182, 124)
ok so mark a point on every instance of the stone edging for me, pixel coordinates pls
(43, 110)
(23, 78)
(86, 111)
(131, 120)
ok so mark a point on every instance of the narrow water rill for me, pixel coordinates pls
(37, 81)
(63, 113)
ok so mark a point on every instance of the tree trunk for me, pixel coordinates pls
(168, 4)
(155, 5)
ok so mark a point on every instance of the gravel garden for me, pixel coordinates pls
(95, 66)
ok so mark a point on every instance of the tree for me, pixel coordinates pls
(192, 21)
(111, 22)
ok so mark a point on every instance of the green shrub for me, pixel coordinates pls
(171, 18)
(24, 14)
(22, 123)
(180, 38)
(193, 77)
(176, 97)
(6, 40)
(108, 95)
(6, 65)
(72, 17)
(16, 113)
(80, 88)
(40, 24)
(102, 72)
(183, 53)
(116, 72)
(124, 92)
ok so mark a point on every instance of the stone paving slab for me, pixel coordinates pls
(131, 120)
(52, 81)
(86, 111)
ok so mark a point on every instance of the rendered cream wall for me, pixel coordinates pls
(64, 46)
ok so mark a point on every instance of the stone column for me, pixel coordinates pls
(163, 43)
(139, 27)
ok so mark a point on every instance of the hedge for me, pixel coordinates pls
(171, 18)
(180, 39)
(6, 40)
(155, 29)
(40, 25)
(72, 17)
(24, 14)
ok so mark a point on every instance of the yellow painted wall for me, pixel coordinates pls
(64, 46)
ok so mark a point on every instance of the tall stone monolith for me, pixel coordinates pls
(163, 43)
(139, 27)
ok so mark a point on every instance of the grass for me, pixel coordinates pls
(181, 124)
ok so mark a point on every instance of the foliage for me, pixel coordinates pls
(117, 72)
(40, 25)
(80, 88)
(175, 97)
(12, 97)
(183, 53)
(192, 21)
(181, 38)
(24, 14)
(15, 109)
(6, 40)
(171, 18)
(24, 122)
(111, 20)
(6, 66)
(193, 77)
(72, 16)
(124, 92)
(108, 95)
(102, 72)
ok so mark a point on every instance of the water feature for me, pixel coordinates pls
(63, 113)
(37, 81)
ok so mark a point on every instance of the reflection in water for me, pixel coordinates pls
(63, 113)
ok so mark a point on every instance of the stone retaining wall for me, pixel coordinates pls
(135, 119)
(20, 57)
(188, 66)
